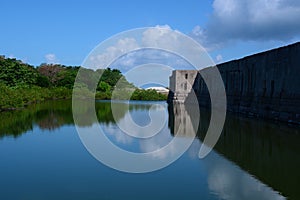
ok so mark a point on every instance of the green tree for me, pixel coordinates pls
(67, 77)
(15, 73)
(103, 87)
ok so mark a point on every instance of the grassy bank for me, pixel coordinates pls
(13, 98)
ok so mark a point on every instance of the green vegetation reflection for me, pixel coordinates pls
(50, 115)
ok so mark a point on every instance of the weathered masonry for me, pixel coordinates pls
(181, 84)
(264, 85)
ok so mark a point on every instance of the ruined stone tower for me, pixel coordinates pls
(181, 84)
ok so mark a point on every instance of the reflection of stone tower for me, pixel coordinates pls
(183, 125)
(181, 83)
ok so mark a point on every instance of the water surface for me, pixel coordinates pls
(42, 157)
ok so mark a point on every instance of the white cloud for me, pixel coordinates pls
(51, 58)
(258, 20)
(154, 39)
(119, 136)
(101, 60)
(230, 182)
(219, 58)
(146, 56)
(156, 144)
(162, 37)
(138, 48)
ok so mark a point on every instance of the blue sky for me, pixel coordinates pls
(66, 31)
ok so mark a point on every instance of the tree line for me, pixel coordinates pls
(22, 84)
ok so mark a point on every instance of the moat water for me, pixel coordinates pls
(42, 157)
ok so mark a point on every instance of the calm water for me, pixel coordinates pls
(42, 157)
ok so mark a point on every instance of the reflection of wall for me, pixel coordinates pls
(264, 85)
(230, 182)
(266, 150)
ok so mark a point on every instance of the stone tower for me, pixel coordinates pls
(181, 84)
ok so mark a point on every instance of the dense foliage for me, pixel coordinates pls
(22, 84)
(14, 73)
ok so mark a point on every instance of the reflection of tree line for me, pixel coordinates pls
(47, 115)
(267, 150)
(50, 115)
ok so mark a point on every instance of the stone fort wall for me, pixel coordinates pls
(264, 85)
